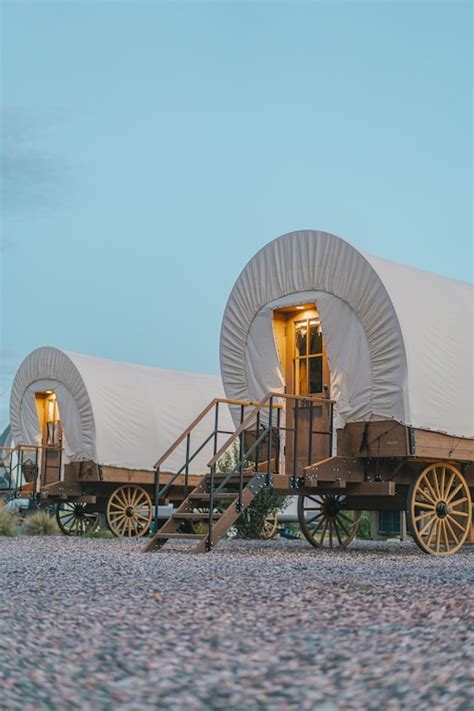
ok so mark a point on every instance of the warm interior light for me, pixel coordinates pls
(300, 308)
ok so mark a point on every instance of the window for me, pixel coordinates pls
(308, 361)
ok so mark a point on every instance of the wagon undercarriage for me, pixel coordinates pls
(379, 466)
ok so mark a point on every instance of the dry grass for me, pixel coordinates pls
(40, 524)
(7, 522)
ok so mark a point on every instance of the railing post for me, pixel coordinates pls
(157, 498)
(331, 427)
(186, 469)
(310, 444)
(211, 507)
(257, 451)
(216, 428)
(241, 460)
(277, 457)
(270, 440)
(295, 444)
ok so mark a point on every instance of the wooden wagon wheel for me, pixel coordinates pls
(325, 521)
(270, 525)
(129, 511)
(73, 518)
(439, 509)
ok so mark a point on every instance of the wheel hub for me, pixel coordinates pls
(331, 509)
(129, 511)
(79, 511)
(441, 509)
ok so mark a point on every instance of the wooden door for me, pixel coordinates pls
(51, 437)
(303, 355)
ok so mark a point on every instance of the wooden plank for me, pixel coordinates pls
(371, 488)
(388, 438)
(133, 476)
(385, 438)
(437, 445)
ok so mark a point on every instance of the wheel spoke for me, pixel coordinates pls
(453, 493)
(330, 534)
(448, 487)
(438, 534)
(321, 540)
(433, 498)
(337, 532)
(456, 523)
(428, 507)
(435, 482)
(310, 520)
(458, 502)
(423, 515)
(456, 539)
(443, 534)
(431, 533)
(427, 525)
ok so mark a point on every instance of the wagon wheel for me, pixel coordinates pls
(270, 525)
(325, 521)
(439, 509)
(74, 520)
(129, 511)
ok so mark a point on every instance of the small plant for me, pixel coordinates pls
(7, 522)
(40, 524)
(250, 523)
(363, 531)
(100, 533)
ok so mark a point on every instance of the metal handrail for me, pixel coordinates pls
(197, 420)
(248, 420)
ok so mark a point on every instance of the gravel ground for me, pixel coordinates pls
(95, 624)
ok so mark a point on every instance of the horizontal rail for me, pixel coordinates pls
(197, 420)
(263, 403)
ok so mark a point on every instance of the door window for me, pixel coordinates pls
(308, 360)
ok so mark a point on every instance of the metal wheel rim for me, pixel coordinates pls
(324, 528)
(439, 509)
(74, 523)
(129, 511)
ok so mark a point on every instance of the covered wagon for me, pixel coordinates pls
(86, 429)
(363, 371)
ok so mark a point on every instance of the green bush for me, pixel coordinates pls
(250, 523)
(363, 531)
(100, 533)
(7, 522)
(40, 524)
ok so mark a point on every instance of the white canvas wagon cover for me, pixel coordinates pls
(114, 413)
(399, 340)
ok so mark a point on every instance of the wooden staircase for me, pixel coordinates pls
(227, 507)
(220, 498)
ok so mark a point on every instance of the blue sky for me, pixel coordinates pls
(150, 149)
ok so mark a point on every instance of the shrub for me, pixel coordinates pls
(250, 523)
(40, 524)
(100, 533)
(363, 531)
(7, 522)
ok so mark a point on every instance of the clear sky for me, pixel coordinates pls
(150, 149)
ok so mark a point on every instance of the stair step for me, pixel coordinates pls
(195, 516)
(205, 497)
(178, 536)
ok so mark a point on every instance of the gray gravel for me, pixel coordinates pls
(95, 624)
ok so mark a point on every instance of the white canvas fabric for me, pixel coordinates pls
(399, 340)
(113, 413)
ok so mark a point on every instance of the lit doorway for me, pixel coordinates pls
(302, 350)
(51, 437)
